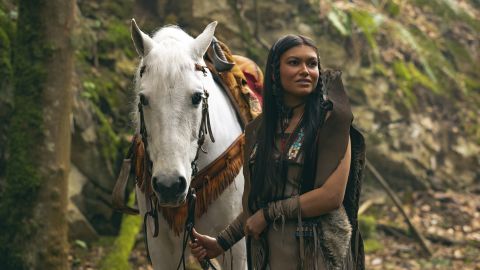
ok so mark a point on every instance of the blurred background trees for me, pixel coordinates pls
(38, 67)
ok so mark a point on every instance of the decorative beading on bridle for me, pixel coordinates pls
(152, 204)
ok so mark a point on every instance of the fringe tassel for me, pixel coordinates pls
(259, 253)
(209, 192)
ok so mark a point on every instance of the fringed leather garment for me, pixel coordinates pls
(330, 241)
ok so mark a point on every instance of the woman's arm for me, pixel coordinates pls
(208, 247)
(311, 204)
(329, 196)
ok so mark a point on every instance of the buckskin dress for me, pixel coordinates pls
(333, 241)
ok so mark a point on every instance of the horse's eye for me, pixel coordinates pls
(143, 100)
(142, 70)
(196, 98)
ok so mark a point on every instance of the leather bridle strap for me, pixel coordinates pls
(205, 126)
(188, 232)
(152, 210)
(205, 129)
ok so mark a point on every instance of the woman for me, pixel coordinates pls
(303, 166)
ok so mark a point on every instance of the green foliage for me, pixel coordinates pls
(99, 92)
(119, 9)
(372, 245)
(117, 36)
(340, 20)
(449, 11)
(392, 8)
(5, 65)
(419, 46)
(6, 35)
(117, 259)
(367, 225)
(369, 23)
(435, 71)
(106, 59)
(405, 82)
(25, 134)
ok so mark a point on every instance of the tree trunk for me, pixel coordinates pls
(33, 213)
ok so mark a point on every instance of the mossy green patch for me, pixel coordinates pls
(372, 245)
(117, 258)
(119, 9)
(405, 83)
(369, 23)
(117, 36)
(367, 225)
(5, 62)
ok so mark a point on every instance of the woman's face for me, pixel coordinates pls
(298, 73)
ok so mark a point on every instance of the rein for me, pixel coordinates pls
(152, 208)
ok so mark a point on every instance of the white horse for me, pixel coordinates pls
(169, 85)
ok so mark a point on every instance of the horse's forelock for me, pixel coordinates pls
(172, 32)
(168, 60)
(171, 56)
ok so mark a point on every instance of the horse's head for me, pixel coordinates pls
(170, 90)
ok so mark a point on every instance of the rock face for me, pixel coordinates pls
(411, 71)
(79, 226)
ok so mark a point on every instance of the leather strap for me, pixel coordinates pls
(219, 164)
(120, 188)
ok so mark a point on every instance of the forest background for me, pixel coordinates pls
(411, 68)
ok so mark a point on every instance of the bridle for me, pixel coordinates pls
(152, 204)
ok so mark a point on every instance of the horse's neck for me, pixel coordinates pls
(224, 121)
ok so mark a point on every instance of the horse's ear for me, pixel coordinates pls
(143, 43)
(201, 43)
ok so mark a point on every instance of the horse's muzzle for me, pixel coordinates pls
(170, 188)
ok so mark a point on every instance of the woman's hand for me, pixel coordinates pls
(255, 224)
(205, 247)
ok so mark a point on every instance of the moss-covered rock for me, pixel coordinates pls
(117, 258)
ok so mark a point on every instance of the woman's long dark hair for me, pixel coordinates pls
(265, 186)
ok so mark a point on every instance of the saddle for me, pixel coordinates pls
(209, 183)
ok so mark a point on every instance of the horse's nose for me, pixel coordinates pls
(169, 186)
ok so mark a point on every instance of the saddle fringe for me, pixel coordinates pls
(206, 194)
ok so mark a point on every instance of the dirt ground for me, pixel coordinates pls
(449, 221)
